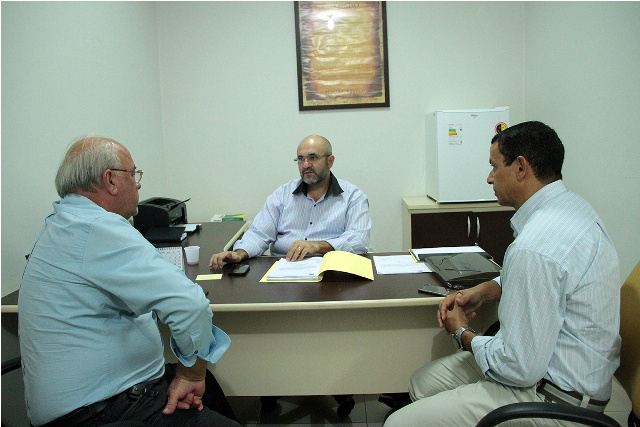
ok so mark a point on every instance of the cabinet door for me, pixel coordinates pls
(493, 233)
(431, 230)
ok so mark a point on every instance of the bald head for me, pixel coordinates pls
(85, 161)
(316, 144)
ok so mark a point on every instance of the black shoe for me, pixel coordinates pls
(345, 406)
(395, 401)
(268, 403)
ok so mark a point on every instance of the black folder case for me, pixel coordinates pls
(462, 270)
(164, 234)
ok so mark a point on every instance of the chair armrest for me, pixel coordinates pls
(547, 410)
(11, 364)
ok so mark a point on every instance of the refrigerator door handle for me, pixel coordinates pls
(468, 226)
(477, 227)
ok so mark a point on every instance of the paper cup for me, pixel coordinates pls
(193, 254)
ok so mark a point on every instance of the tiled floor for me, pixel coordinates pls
(316, 411)
(310, 411)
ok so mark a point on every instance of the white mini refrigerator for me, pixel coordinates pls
(458, 143)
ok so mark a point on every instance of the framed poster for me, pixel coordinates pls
(342, 54)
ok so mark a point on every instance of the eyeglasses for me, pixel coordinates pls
(312, 158)
(137, 174)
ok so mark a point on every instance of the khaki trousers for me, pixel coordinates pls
(453, 392)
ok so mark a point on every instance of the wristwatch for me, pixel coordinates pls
(457, 335)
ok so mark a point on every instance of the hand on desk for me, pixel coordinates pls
(297, 251)
(229, 257)
(301, 248)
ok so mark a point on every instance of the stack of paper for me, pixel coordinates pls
(444, 250)
(312, 269)
(306, 269)
(399, 264)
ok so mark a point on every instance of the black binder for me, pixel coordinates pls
(164, 234)
(462, 270)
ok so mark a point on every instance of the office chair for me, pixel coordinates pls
(16, 362)
(628, 374)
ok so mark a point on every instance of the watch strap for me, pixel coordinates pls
(457, 335)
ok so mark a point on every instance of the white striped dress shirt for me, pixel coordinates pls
(560, 307)
(340, 217)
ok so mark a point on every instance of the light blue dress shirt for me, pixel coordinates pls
(560, 306)
(88, 302)
(340, 217)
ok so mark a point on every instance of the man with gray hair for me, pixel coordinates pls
(91, 294)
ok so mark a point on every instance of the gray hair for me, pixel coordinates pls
(82, 167)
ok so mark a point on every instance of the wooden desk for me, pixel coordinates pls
(344, 335)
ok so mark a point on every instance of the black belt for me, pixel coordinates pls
(556, 394)
(80, 416)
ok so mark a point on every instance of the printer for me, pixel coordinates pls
(160, 212)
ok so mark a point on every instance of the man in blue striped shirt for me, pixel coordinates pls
(312, 215)
(315, 214)
(559, 300)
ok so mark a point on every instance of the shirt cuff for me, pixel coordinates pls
(217, 348)
(252, 249)
(338, 244)
(478, 344)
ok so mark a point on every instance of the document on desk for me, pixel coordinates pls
(444, 250)
(202, 277)
(312, 269)
(307, 269)
(399, 264)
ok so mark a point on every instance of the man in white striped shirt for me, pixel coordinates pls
(312, 215)
(559, 299)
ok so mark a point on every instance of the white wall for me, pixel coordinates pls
(230, 101)
(582, 78)
(204, 94)
(71, 68)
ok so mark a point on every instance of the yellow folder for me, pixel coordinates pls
(312, 270)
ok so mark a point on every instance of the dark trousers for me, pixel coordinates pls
(147, 404)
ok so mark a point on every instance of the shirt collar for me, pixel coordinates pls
(333, 190)
(539, 198)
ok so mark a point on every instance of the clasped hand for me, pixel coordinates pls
(184, 394)
(457, 310)
(187, 388)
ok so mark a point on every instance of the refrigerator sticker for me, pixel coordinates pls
(500, 127)
(455, 134)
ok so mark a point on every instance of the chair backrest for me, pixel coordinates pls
(629, 371)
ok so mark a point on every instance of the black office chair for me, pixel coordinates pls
(628, 374)
(555, 411)
(16, 362)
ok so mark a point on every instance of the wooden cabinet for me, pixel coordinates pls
(427, 224)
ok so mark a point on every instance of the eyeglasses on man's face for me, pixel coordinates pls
(312, 158)
(136, 174)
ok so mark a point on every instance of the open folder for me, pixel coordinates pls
(312, 269)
